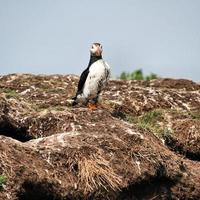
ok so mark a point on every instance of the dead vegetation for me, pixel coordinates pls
(96, 173)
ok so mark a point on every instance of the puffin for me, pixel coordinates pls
(93, 79)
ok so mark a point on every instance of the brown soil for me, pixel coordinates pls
(52, 151)
(186, 138)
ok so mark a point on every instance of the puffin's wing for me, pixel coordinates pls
(82, 80)
(107, 71)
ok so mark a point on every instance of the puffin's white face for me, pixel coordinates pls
(96, 49)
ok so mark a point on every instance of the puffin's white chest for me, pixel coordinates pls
(98, 76)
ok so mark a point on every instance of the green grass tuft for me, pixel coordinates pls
(195, 115)
(9, 93)
(3, 181)
(151, 121)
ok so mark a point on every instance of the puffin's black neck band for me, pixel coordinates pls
(94, 58)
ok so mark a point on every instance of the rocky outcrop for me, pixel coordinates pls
(143, 141)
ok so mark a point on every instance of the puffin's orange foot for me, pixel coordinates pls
(92, 106)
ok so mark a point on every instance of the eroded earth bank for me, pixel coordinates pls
(143, 142)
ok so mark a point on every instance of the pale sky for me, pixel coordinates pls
(54, 36)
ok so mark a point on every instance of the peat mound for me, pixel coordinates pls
(143, 141)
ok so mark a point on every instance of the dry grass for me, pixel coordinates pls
(96, 173)
(6, 165)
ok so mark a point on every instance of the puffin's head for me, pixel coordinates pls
(96, 49)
